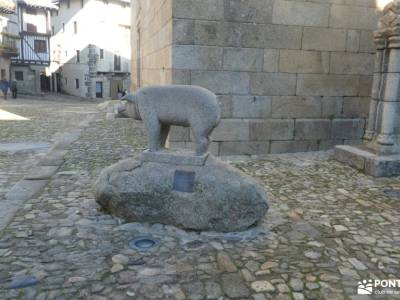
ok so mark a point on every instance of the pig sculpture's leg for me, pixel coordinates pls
(164, 134)
(153, 127)
(202, 141)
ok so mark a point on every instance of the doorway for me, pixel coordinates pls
(116, 87)
(99, 89)
(44, 83)
(58, 82)
(53, 87)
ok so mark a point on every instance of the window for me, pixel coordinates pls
(19, 75)
(3, 74)
(66, 53)
(77, 83)
(63, 27)
(31, 28)
(66, 81)
(117, 62)
(40, 46)
(75, 27)
(52, 30)
(78, 56)
(101, 53)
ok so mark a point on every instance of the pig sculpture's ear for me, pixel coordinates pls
(129, 97)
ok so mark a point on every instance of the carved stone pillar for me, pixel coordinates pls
(91, 80)
(376, 94)
(380, 153)
(384, 109)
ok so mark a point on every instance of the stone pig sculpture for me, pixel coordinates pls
(162, 106)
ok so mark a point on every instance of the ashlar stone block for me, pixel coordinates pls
(365, 86)
(300, 61)
(183, 31)
(194, 9)
(226, 106)
(222, 82)
(208, 32)
(352, 63)
(356, 17)
(271, 129)
(257, 11)
(313, 129)
(327, 85)
(271, 60)
(353, 40)
(281, 36)
(244, 148)
(332, 107)
(324, 39)
(196, 57)
(296, 107)
(367, 41)
(293, 146)
(231, 130)
(243, 59)
(348, 128)
(356, 107)
(178, 134)
(300, 13)
(272, 84)
(251, 107)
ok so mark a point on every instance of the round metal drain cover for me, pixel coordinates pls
(144, 243)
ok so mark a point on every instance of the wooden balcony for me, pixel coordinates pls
(8, 44)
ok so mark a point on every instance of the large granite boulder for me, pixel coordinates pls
(200, 194)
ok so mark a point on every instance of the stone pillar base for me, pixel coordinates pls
(367, 161)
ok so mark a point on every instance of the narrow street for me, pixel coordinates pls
(328, 225)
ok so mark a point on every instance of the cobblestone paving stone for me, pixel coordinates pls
(328, 227)
(13, 167)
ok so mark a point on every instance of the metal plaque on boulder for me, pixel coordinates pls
(184, 181)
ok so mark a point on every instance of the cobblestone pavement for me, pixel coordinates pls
(46, 121)
(328, 227)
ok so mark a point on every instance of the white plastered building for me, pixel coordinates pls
(91, 50)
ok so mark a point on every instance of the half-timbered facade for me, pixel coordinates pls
(29, 67)
(8, 36)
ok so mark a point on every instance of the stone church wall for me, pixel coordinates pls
(290, 75)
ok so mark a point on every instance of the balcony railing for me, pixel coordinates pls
(8, 44)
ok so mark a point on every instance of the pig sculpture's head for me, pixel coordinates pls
(128, 108)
